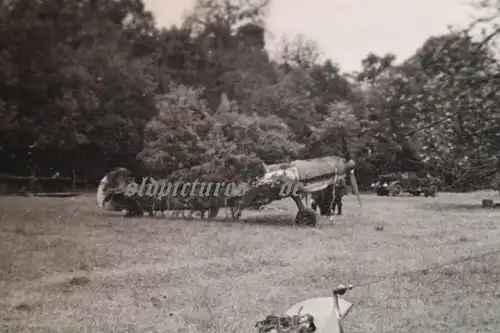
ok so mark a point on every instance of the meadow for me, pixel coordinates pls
(66, 266)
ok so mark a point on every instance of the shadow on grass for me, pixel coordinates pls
(109, 214)
(274, 220)
(270, 220)
(458, 206)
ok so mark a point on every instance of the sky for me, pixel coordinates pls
(347, 30)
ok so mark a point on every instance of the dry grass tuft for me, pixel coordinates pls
(23, 307)
(79, 281)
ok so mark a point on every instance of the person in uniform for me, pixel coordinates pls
(340, 188)
(322, 200)
(326, 200)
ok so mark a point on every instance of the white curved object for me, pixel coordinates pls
(100, 192)
(323, 312)
(108, 205)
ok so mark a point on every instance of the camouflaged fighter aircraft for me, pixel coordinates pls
(296, 179)
(316, 176)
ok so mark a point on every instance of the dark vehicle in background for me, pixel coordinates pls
(495, 183)
(393, 184)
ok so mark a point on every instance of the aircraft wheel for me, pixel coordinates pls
(306, 217)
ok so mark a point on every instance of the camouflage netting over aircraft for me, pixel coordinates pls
(321, 167)
(239, 169)
(236, 168)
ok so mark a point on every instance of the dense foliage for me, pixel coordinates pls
(88, 85)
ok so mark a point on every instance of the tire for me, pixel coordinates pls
(395, 190)
(432, 191)
(306, 217)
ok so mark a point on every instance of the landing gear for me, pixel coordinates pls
(305, 216)
(236, 213)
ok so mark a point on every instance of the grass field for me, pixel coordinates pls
(67, 267)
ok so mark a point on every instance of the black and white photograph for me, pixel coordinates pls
(249, 166)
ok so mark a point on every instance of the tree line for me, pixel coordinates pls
(87, 85)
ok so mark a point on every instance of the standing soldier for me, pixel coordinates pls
(340, 188)
(323, 200)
